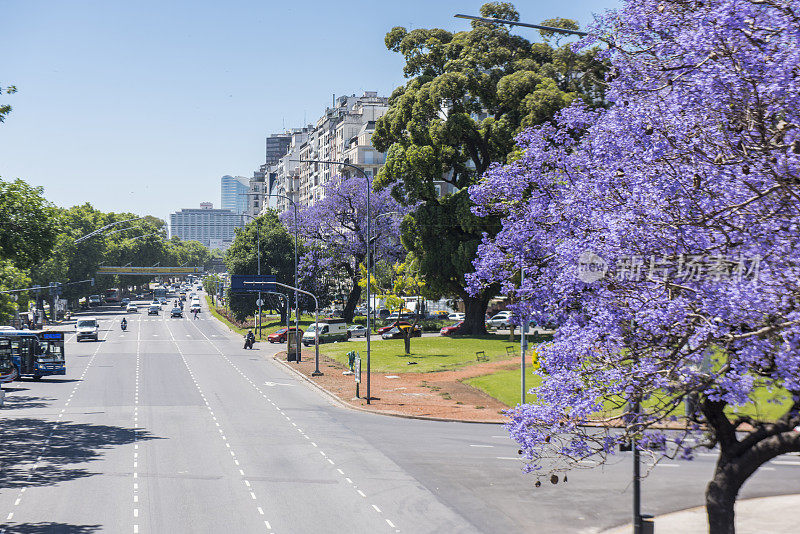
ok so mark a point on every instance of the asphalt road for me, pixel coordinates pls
(172, 427)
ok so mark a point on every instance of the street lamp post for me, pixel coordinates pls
(369, 263)
(296, 302)
(258, 261)
(100, 230)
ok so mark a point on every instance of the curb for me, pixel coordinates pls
(360, 409)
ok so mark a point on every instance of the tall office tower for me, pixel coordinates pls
(234, 193)
(277, 145)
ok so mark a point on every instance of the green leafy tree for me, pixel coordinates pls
(12, 278)
(277, 257)
(468, 94)
(28, 224)
(409, 282)
(5, 109)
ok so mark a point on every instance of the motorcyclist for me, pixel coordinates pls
(124, 323)
(249, 339)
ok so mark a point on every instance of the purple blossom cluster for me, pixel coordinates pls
(696, 153)
(334, 229)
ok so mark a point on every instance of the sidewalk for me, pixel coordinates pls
(772, 515)
(439, 395)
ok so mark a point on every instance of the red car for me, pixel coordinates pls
(280, 335)
(452, 329)
(385, 329)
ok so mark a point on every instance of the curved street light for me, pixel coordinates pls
(369, 262)
(258, 236)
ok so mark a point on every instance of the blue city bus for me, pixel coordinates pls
(36, 353)
(8, 372)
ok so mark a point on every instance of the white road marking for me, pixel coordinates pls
(483, 446)
(258, 390)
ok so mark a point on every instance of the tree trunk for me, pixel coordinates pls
(720, 498)
(352, 301)
(474, 314)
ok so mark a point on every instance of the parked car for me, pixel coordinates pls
(153, 309)
(456, 316)
(400, 316)
(500, 320)
(86, 328)
(330, 330)
(131, 308)
(385, 329)
(356, 330)
(176, 312)
(438, 315)
(452, 329)
(280, 335)
(399, 332)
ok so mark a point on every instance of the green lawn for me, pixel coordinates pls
(427, 353)
(505, 387)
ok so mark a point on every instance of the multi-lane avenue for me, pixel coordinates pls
(173, 427)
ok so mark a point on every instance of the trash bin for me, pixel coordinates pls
(648, 524)
(292, 346)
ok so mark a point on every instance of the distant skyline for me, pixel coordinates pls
(144, 106)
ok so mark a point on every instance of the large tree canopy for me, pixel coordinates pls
(663, 236)
(28, 224)
(468, 95)
(335, 232)
(277, 257)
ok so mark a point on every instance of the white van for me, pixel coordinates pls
(86, 328)
(330, 330)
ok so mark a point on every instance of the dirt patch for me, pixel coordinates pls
(439, 395)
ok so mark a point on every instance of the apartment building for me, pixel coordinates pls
(333, 136)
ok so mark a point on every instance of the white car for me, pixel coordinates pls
(500, 320)
(86, 328)
(456, 317)
(131, 308)
(356, 330)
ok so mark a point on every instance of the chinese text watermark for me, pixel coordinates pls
(683, 267)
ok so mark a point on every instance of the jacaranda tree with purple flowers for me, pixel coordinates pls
(662, 235)
(335, 233)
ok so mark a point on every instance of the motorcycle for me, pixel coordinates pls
(124, 326)
(248, 342)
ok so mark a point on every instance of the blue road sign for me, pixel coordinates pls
(255, 283)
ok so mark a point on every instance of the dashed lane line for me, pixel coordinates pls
(280, 411)
(52, 433)
(253, 497)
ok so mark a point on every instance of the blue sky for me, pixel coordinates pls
(143, 106)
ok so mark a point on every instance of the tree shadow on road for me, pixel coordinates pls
(18, 402)
(71, 443)
(49, 528)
